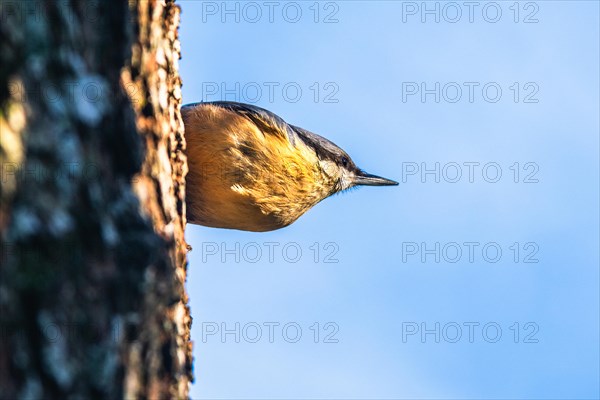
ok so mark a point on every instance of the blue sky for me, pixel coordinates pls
(477, 276)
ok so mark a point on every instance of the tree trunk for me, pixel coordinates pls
(92, 210)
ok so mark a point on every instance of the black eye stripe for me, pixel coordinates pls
(344, 161)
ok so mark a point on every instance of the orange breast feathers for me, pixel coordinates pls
(243, 178)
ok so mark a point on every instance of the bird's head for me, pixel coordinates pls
(337, 168)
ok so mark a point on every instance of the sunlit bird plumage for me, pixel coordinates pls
(250, 170)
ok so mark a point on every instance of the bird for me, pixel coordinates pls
(250, 170)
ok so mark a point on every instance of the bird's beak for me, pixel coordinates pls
(362, 178)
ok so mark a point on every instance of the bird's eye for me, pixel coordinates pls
(344, 161)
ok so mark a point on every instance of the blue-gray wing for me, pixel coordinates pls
(268, 122)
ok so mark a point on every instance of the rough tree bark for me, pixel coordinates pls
(92, 210)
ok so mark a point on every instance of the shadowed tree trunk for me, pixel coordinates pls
(92, 210)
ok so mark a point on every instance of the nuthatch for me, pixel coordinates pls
(250, 170)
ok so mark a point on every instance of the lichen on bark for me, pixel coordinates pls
(93, 259)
